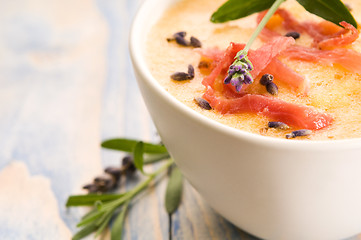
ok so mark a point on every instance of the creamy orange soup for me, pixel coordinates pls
(333, 90)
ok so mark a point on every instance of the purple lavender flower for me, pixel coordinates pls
(239, 71)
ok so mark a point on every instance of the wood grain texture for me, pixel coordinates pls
(67, 84)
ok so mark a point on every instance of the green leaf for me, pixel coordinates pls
(117, 227)
(235, 9)
(90, 199)
(138, 156)
(90, 218)
(85, 231)
(103, 223)
(127, 145)
(174, 190)
(332, 10)
(98, 205)
(153, 158)
(91, 212)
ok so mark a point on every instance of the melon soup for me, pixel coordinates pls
(272, 187)
(324, 86)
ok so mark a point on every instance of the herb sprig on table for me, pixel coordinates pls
(111, 208)
(239, 72)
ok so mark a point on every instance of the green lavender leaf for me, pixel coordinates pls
(127, 145)
(174, 190)
(90, 199)
(235, 9)
(85, 231)
(91, 212)
(104, 223)
(153, 158)
(90, 218)
(117, 227)
(98, 205)
(331, 10)
(138, 156)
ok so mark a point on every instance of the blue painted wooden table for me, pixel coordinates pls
(66, 84)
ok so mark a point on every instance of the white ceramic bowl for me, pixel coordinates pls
(272, 188)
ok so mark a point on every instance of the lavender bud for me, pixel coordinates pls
(92, 188)
(299, 133)
(104, 182)
(126, 160)
(238, 87)
(239, 83)
(177, 35)
(278, 125)
(232, 71)
(247, 79)
(265, 79)
(239, 68)
(180, 34)
(195, 42)
(128, 164)
(243, 71)
(228, 79)
(238, 72)
(181, 41)
(190, 71)
(116, 172)
(249, 67)
(294, 35)
(272, 88)
(180, 76)
(237, 80)
(203, 103)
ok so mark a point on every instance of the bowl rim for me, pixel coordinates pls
(138, 60)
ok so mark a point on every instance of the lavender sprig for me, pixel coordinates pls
(239, 71)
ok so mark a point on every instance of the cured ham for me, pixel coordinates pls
(275, 109)
(224, 99)
(346, 58)
(263, 56)
(287, 76)
(342, 38)
(263, 59)
(326, 35)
